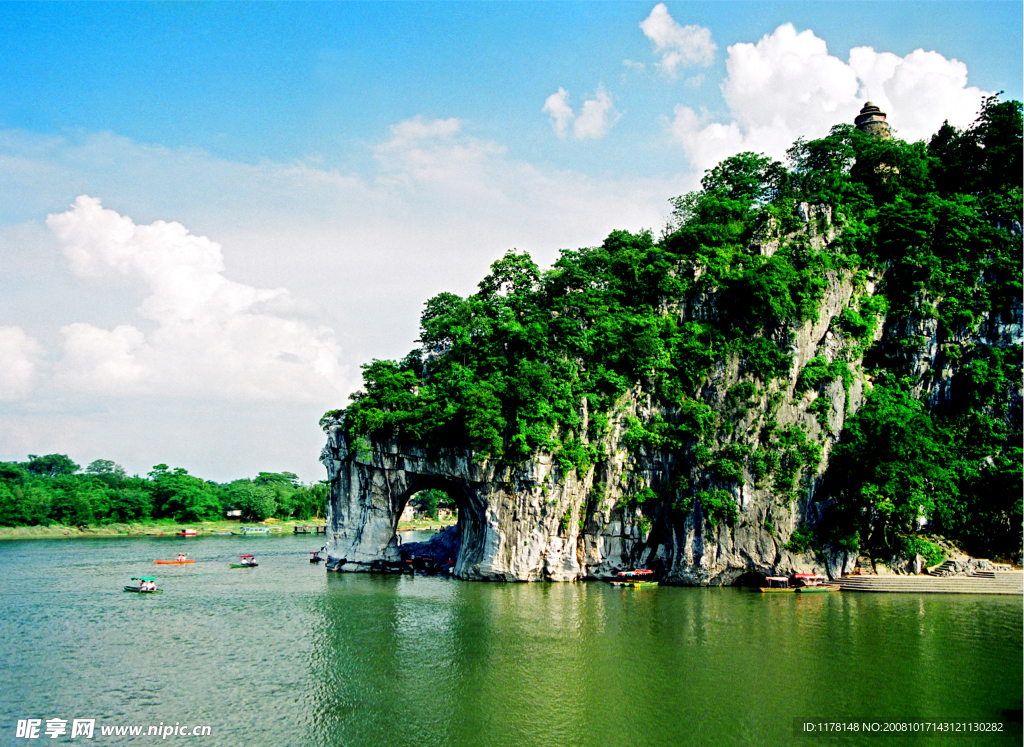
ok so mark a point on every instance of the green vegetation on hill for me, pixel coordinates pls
(505, 370)
(52, 489)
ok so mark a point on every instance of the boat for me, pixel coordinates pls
(186, 533)
(221, 534)
(316, 556)
(638, 577)
(262, 531)
(182, 558)
(143, 587)
(776, 584)
(248, 561)
(814, 583)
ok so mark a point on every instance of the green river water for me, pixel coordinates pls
(287, 654)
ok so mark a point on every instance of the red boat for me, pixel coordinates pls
(186, 533)
(182, 558)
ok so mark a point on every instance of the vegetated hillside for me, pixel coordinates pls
(840, 333)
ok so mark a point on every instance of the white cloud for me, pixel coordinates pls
(633, 65)
(596, 117)
(210, 336)
(677, 46)
(561, 113)
(19, 361)
(787, 85)
(361, 252)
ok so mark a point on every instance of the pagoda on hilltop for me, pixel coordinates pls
(871, 121)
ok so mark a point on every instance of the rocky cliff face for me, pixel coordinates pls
(536, 520)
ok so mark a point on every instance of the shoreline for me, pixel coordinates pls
(171, 528)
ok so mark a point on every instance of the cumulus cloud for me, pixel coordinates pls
(557, 106)
(677, 46)
(787, 85)
(596, 117)
(364, 250)
(207, 335)
(19, 361)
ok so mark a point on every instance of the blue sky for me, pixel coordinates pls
(332, 165)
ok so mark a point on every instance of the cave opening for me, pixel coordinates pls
(434, 501)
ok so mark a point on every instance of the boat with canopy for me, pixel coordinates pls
(776, 584)
(315, 556)
(147, 585)
(814, 583)
(248, 561)
(637, 577)
(182, 558)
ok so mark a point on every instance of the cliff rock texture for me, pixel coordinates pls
(535, 520)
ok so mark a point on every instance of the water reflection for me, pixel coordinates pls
(285, 654)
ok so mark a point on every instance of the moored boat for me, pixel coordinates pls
(182, 558)
(637, 577)
(248, 561)
(814, 583)
(186, 533)
(316, 556)
(776, 584)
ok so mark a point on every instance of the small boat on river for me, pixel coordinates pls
(147, 585)
(638, 577)
(182, 558)
(316, 556)
(777, 584)
(814, 583)
(248, 561)
(186, 533)
(260, 531)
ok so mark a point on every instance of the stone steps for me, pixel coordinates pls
(1001, 582)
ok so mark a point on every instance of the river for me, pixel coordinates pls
(287, 654)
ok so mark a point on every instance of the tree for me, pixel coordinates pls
(179, 495)
(105, 468)
(51, 465)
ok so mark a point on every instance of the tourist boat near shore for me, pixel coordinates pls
(182, 558)
(186, 533)
(147, 585)
(814, 583)
(260, 531)
(776, 584)
(638, 577)
(248, 561)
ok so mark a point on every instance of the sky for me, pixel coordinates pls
(212, 214)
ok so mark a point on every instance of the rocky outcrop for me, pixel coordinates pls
(541, 520)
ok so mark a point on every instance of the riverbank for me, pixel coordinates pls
(146, 529)
(167, 528)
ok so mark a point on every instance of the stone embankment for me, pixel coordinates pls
(983, 582)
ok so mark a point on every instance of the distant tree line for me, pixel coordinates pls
(52, 489)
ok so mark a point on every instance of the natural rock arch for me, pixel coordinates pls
(510, 521)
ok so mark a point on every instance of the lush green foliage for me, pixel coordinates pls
(932, 553)
(52, 490)
(429, 502)
(931, 226)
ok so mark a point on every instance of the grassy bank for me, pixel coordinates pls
(422, 524)
(158, 528)
(146, 529)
